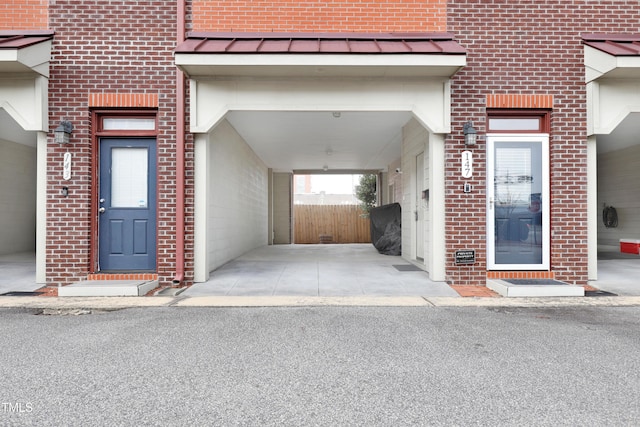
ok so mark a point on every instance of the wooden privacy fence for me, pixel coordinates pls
(330, 224)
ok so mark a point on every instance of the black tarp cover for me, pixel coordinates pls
(386, 233)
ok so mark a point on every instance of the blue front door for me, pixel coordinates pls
(127, 205)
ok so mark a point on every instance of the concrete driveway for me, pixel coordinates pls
(618, 273)
(319, 270)
(18, 272)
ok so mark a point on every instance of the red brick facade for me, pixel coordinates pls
(24, 15)
(526, 47)
(105, 48)
(319, 16)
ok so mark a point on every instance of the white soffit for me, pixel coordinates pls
(599, 64)
(322, 65)
(25, 53)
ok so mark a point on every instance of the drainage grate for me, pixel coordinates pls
(534, 282)
(407, 267)
(21, 294)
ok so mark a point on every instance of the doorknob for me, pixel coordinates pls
(101, 210)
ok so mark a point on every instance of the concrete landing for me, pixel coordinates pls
(107, 288)
(534, 288)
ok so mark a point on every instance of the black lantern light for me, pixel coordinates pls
(470, 134)
(63, 132)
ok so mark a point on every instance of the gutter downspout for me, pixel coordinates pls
(180, 155)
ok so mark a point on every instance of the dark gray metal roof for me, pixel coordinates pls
(321, 43)
(21, 39)
(614, 44)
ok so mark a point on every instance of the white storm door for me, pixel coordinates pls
(518, 202)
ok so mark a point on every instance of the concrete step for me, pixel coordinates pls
(534, 288)
(107, 288)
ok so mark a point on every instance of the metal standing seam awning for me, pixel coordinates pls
(25, 51)
(320, 54)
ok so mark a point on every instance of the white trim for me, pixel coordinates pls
(599, 64)
(437, 211)
(389, 65)
(25, 99)
(428, 99)
(592, 208)
(201, 205)
(29, 59)
(544, 140)
(41, 208)
(609, 102)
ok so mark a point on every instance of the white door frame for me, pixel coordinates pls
(418, 206)
(543, 139)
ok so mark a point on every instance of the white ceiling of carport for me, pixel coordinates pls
(289, 141)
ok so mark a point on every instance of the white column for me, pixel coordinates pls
(201, 206)
(41, 208)
(592, 208)
(437, 207)
(270, 206)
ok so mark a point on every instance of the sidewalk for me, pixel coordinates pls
(117, 303)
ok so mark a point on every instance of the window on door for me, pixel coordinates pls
(518, 193)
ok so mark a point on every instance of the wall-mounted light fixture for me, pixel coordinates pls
(63, 132)
(470, 134)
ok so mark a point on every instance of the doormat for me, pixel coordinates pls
(21, 294)
(535, 282)
(407, 267)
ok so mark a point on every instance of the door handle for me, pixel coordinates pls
(102, 210)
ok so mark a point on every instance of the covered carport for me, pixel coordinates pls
(24, 72)
(264, 106)
(612, 63)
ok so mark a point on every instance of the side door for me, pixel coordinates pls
(127, 204)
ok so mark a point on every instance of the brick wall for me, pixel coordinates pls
(526, 47)
(23, 15)
(108, 47)
(319, 16)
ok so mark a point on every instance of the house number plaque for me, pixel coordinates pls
(466, 166)
(66, 167)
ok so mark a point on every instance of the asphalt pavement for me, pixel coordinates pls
(321, 365)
